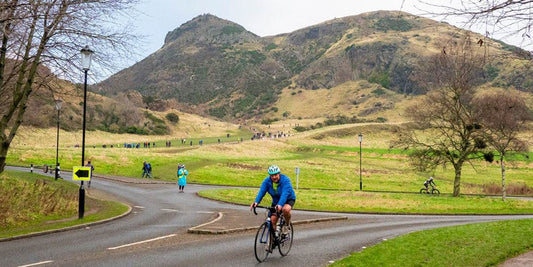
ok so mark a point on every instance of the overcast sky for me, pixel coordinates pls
(262, 17)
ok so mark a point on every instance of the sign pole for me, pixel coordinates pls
(297, 171)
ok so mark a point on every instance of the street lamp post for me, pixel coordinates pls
(86, 56)
(360, 163)
(58, 108)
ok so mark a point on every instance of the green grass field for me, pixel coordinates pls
(328, 159)
(378, 202)
(484, 244)
(329, 180)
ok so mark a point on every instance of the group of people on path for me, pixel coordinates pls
(181, 173)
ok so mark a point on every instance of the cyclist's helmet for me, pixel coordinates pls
(431, 178)
(273, 170)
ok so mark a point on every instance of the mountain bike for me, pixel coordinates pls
(269, 237)
(433, 190)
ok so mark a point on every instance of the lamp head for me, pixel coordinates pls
(58, 103)
(86, 56)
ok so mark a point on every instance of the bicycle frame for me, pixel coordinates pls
(269, 237)
(432, 190)
(266, 233)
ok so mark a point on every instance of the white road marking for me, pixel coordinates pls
(205, 212)
(35, 264)
(171, 210)
(139, 207)
(207, 223)
(141, 242)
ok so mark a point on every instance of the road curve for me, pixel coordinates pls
(155, 234)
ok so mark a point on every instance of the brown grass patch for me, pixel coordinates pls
(512, 189)
(175, 150)
(244, 166)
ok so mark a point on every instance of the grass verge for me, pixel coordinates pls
(378, 202)
(35, 203)
(484, 244)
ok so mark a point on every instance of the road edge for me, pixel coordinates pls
(197, 230)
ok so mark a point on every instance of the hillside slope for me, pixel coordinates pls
(211, 66)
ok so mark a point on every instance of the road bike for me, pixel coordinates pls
(269, 237)
(433, 190)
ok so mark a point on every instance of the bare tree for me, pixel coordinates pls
(499, 17)
(450, 131)
(503, 114)
(42, 39)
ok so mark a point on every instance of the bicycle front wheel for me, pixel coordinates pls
(435, 191)
(263, 242)
(286, 241)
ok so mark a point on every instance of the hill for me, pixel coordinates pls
(214, 67)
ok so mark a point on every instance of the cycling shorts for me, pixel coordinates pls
(290, 202)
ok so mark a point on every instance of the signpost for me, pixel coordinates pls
(297, 171)
(80, 173)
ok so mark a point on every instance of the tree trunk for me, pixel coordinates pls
(504, 191)
(4, 147)
(457, 182)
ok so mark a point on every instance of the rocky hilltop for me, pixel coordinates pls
(216, 67)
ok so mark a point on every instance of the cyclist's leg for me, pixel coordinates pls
(287, 210)
(274, 220)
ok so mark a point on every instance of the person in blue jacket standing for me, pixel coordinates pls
(182, 177)
(279, 186)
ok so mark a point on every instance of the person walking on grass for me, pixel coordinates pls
(92, 169)
(182, 177)
(147, 170)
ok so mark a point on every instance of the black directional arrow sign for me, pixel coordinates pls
(81, 173)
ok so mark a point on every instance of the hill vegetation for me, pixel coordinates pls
(214, 67)
(353, 69)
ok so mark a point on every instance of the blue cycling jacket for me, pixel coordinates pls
(285, 191)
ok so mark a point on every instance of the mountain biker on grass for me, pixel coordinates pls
(429, 182)
(279, 186)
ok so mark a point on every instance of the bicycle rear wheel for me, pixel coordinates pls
(286, 242)
(263, 242)
(424, 191)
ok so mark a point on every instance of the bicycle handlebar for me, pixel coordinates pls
(271, 209)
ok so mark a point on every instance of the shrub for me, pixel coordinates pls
(379, 91)
(232, 29)
(173, 117)
(300, 129)
(393, 24)
(271, 46)
(268, 121)
(381, 78)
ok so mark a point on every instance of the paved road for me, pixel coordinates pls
(155, 234)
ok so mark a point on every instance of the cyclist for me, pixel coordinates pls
(429, 182)
(279, 187)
